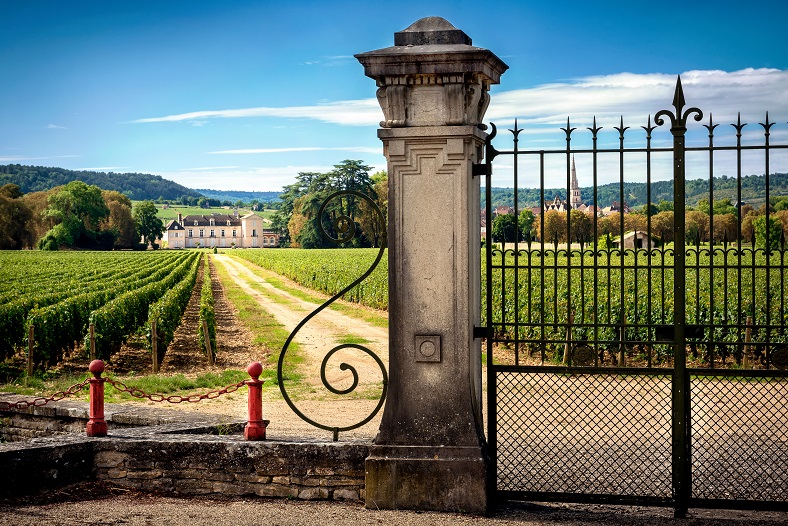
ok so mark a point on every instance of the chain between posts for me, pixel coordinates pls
(120, 386)
(42, 401)
(174, 399)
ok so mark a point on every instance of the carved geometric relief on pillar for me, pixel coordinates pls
(428, 348)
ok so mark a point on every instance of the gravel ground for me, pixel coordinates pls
(99, 504)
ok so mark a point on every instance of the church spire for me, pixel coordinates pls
(575, 200)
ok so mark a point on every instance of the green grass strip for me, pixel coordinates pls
(266, 332)
(368, 315)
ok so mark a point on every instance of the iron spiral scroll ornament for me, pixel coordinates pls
(346, 230)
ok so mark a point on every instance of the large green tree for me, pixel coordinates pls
(504, 228)
(78, 210)
(297, 218)
(526, 222)
(120, 219)
(148, 226)
(15, 218)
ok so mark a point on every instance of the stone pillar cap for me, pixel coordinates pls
(431, 30)
(431, 46)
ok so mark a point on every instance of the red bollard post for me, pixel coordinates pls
(97, 426)
(255, 427)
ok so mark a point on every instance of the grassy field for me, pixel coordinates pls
(172, 211)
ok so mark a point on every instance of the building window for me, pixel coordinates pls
(254, 233)
(211, 221)
(212, 233)
(222, 232)
(234, 232)
(195, 223)
(190, 232)
(202, 232)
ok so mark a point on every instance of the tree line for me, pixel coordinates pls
(136, 186)
(704, 223)
(297, 221)
(635, 194)
(75, 215)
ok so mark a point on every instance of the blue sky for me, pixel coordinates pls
(243, 95)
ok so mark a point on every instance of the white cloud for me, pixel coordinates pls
(55, 127)
(104, 169)
(635, 96)
(356, 149)
(348, 113)
(17, 159)
(261, 179)
(210, 168)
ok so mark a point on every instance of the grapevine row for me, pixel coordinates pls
(167, 311)
(118, 318)
(207, 313)
(73, 297)
(328, 271)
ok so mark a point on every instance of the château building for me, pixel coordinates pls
(219, 230)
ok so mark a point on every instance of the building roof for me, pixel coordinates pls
(205, 220)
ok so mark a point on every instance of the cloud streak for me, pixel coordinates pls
(356, 149)
(233, 178)
(635, 96)
(347, 113)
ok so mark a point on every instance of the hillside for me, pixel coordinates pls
(635, 193)
(135, 185)
(239, 195)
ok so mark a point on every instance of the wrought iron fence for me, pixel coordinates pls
(604, 322)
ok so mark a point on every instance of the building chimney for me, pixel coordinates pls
(180, 218)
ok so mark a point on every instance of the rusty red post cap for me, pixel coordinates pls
(96, 367)
(255, 369)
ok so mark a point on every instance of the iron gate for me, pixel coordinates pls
(638, 357)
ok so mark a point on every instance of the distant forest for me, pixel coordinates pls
(134, 185)
(239, 195)
(753, 192)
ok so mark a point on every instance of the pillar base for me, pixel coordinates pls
(96, 429)
(431, 478)
(255, 430)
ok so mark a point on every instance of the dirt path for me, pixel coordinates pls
(236, 349)
(320, 334)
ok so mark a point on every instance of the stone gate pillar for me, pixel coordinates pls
(430, 450)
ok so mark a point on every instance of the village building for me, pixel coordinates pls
(634, 239)
(219, 230)
(575, 201)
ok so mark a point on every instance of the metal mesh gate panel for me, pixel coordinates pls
(739, 437)
(584, 433)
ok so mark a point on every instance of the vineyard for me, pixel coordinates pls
(329, 270)
(58, 295)
(730, 293)
(616, 301)
(734, 297)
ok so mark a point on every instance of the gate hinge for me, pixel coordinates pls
(481, 169)
(479, 332)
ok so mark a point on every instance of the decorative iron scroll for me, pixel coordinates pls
(346, 230)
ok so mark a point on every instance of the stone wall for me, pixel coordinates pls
(199, 465)
(175, 453)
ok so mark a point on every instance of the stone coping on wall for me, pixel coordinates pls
(180, 453)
